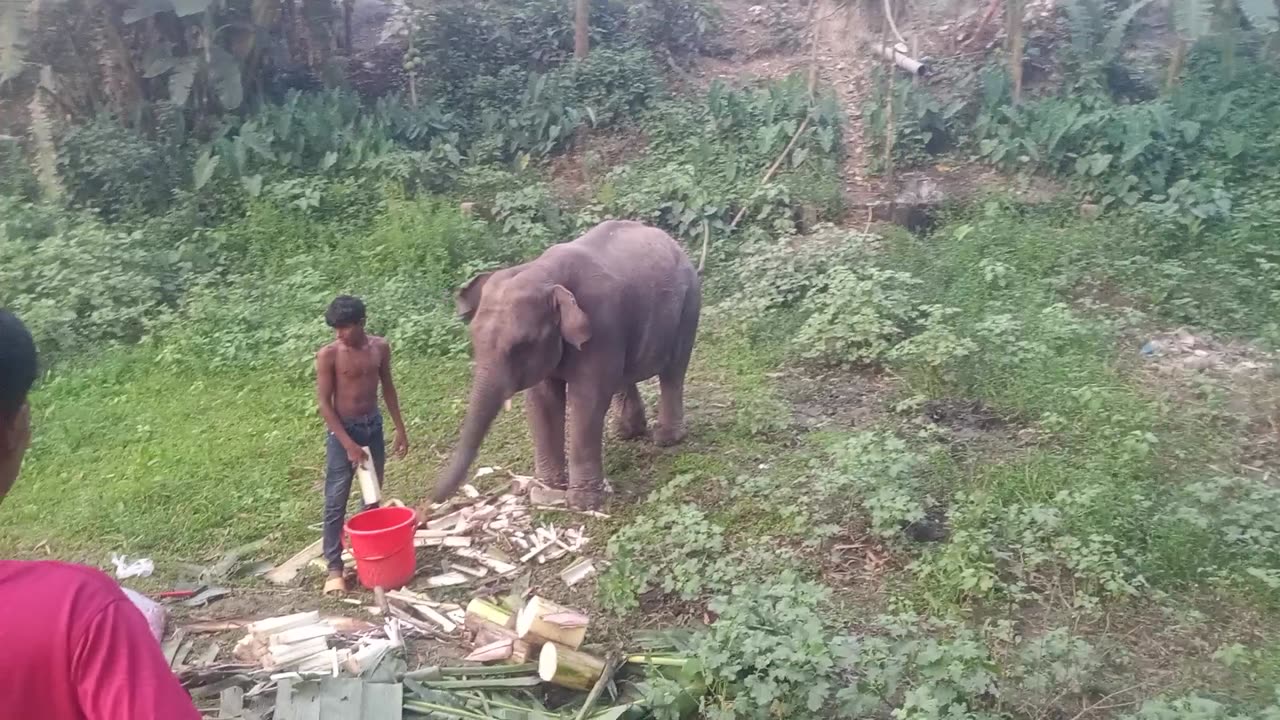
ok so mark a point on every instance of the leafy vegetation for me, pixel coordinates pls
(896, 558)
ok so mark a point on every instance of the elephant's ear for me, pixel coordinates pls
(575, 326)
(468, 298)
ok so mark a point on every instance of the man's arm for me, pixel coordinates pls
(324, 399)
(401, 445)
(120, 672)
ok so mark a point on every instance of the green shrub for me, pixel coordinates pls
(278, 321)
(923, 125)
(613, 85)
(682, 27)
(17, 180)
(768, 653)
(116, 171)
(706, 159)
(529, 221)
(1197, 707)
(81, 285)
(331, 133)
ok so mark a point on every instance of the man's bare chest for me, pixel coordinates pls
(357, 365)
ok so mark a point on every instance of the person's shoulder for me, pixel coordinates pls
(327, 351)
(379, 342)
(69, 577)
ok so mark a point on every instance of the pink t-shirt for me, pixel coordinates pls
(73, 647)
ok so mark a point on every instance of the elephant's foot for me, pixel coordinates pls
(629, 422)
(666, 436)
(628, 431)
(581, 499)
(588, 495)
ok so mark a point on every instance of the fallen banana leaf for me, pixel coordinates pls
(422, 707)
(222, 569)
(484, 670)
(491, 706)
(432, 673)
(659, 660)
(660, 642)
(501, 682)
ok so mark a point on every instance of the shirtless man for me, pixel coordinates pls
(348, 371)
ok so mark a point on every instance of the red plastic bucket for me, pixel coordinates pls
(382, 543)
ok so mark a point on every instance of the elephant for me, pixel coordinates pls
(575, 329)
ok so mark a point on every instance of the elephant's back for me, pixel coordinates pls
(626, 246)
(651, 292)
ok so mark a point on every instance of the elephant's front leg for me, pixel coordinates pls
(588, 405)
(544, 407)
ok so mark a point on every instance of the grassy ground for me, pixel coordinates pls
(1049, 461)
(132, 457)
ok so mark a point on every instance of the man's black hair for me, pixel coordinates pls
(18, 364)
(345, 310)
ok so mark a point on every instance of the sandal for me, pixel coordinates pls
(335, 586)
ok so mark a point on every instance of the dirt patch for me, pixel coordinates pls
(834, 399)
(973, 431)
(858, 566)
(1149, 648)
(575, 175)
(1181, 351)
(1233, 381)
(847, 66)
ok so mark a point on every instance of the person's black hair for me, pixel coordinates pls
(18, 364)
(344, 311)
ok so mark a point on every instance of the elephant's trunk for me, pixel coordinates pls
(486, 400)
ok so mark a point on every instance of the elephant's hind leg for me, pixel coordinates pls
(628, 413)
(671, 428)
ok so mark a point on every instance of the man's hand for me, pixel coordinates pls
(401, 444)
(355, 454)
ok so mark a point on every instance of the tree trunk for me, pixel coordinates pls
(1175, 63)
(123, 57)
(348, 7)
(581, 28)
(290, 28)
(486, 400)
(1013, 19)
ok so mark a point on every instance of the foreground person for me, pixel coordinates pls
(74, 647)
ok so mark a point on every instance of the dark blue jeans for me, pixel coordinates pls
(338, 472)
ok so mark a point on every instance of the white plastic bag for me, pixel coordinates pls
(142, 567)
(154, 612)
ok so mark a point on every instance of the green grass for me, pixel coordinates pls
(130, 456)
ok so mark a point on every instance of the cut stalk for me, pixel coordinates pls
(542, 620)
(563, 666)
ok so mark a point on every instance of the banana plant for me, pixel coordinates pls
(1194, 20)
(224, 49)
(19, 21)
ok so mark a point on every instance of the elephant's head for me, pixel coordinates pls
(520, 321)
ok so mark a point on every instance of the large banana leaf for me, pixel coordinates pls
(224, 72)
(1193, 18)
(1115, 36)
(13, 37)
(18, 20)
(1263, 15)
